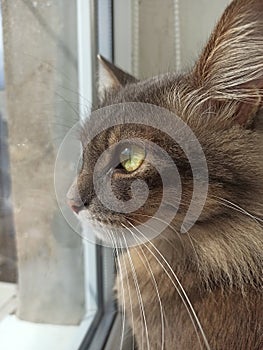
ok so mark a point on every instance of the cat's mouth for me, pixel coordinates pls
(101, 219)
(95, 214)
(114, 231)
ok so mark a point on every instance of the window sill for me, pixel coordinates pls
(8, 299)
(17, 334)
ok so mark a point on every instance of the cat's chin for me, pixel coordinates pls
(87, 218)
(112, 235)
(97, 230)
(90, 225)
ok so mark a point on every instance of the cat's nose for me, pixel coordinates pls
(73, 198)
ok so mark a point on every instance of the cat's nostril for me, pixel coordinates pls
(76, 207)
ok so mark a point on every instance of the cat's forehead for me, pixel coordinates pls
(154, 91)
(129, 132)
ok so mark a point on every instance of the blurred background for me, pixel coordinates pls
(8, 272)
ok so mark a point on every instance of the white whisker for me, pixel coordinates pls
(135, 279)
(239, 209)
(163, 221)
(129, 292)
(122, 288)
(180, 290)
(155, 286)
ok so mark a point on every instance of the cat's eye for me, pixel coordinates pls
(132, 157)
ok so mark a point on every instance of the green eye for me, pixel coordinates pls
(132, 157)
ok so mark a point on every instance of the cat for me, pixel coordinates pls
(201, 289)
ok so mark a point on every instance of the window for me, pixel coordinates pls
(8, 267)
(64, 298)
(65, 284)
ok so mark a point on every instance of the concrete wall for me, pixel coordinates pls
(41, 76)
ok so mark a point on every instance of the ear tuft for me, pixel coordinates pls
(247, 110)
(111, 76)
(231, 66)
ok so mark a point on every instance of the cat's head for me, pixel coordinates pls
(219, 100)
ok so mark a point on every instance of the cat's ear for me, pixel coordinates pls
(230, 69)
(111, 76)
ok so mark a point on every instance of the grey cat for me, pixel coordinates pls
(201, 289)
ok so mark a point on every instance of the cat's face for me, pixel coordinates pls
(219, 100)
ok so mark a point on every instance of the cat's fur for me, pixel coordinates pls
(220, 260)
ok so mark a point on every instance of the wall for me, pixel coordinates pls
(42, 103)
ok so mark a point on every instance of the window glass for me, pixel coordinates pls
(8, 271)
(64, 283)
